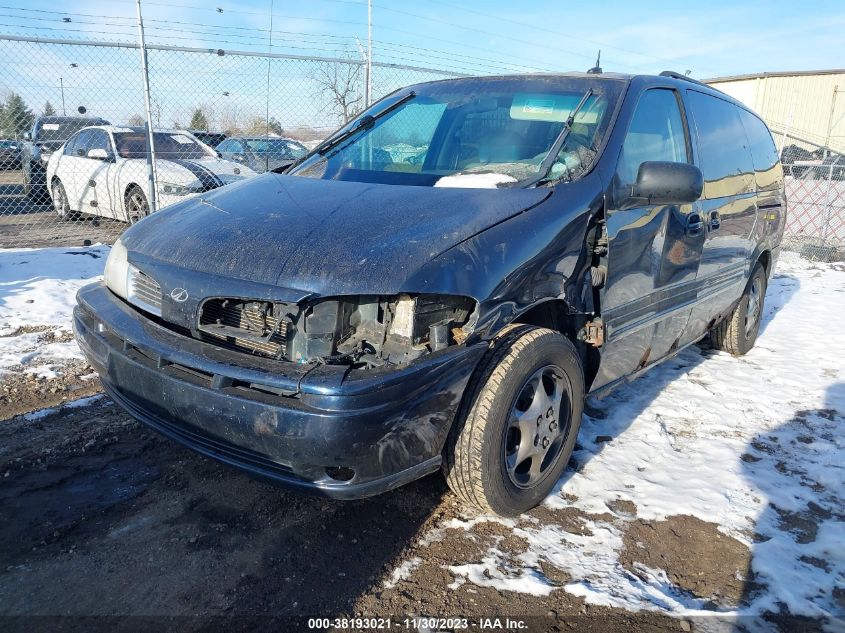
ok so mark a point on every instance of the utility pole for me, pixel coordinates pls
(369, 68)
(62, 86)
(151, 162)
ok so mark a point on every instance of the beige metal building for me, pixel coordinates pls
(806, 107)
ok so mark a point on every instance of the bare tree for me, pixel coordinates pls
(341, 84)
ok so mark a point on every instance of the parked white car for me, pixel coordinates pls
(102, 170)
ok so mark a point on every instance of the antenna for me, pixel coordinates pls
(596, 70)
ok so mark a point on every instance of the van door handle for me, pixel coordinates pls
(715, 220)
(695, 224)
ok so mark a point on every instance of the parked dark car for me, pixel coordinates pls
(212, 139)
(364, 320)
(262, 153)
(10, 155)
(47, 135)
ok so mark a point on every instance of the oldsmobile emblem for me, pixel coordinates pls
(179, 295)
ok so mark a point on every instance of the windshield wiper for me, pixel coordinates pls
(365, 123)
(551, 157)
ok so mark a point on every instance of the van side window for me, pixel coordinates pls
(656, 133)
(725, 156)
(764, 154)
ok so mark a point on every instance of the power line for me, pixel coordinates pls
(302, 38)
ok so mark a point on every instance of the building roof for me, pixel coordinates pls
(779, 73)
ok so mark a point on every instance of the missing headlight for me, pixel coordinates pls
(372, 330)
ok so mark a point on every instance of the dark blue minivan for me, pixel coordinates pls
(438, 284)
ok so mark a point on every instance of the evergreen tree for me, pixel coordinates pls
(49, 110)
(15, 117)
(274, 126)
(198, 120)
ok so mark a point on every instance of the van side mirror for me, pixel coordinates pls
(660, 182)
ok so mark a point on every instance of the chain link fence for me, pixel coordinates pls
(815, 190)
(220, 116)
(74, 147)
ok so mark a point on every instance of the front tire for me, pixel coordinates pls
(737, 333)
(517, 427)
(136, 204)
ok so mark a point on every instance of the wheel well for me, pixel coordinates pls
(552, 314)
(766, 260)
(54, 180)
(555, 315)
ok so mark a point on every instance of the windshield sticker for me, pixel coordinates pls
(181, 139)
(50, 126)
(546, 107)
(123, 129)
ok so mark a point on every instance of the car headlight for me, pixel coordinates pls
(375, 330)
(175, 189)
(117, 270)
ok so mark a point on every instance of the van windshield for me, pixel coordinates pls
(475, 133)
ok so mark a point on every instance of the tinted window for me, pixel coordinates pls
(656, 133)
(725, 157)
(167, 145)
(99, 140)
(230, 146)
(82, 143)
(764, 154)
(60, 129)
(70, 146)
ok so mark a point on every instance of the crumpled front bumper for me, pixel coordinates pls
(309, 426)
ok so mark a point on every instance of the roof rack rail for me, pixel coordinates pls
(674, 75)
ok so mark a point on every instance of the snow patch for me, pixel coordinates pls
(37, 295)
(402, 572)
(72, 404)
(753, 444)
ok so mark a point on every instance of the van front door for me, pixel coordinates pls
(653, 250)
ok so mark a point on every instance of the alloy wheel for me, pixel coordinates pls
(538, 426)
(752, 311)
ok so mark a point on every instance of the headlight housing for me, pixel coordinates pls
(116, 275)
(176, 189)
(378, 329)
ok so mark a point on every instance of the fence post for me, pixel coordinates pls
(151, 155)
(368, 89)
(829, 206)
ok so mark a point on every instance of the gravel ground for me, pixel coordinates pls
(102, 517)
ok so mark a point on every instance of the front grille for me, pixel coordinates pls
(246, 326)
(144, 291)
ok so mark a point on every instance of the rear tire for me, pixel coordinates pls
(737, 333)
(509, 445)
(61, 205)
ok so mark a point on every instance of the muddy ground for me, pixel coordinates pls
(101, 517)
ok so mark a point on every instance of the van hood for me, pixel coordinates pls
(321, 236)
